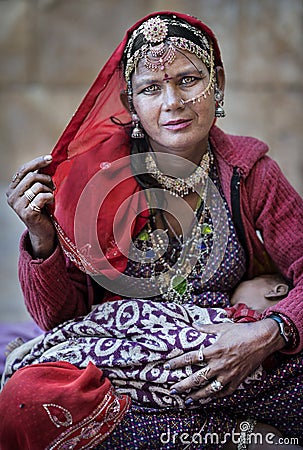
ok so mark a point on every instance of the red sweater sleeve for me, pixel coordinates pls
(55, 290)
(279, 217)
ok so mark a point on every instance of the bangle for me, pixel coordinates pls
(294, 335)
(286, 328)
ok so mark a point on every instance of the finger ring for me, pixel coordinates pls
(16, 177)
(187, 358)
(29, 194)
(35, 207)
(200, 354)
(203, 372)
(216, 386)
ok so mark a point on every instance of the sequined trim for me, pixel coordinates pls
(55, 411)
(72, 252)
(88, 432)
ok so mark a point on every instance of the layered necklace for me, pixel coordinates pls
(179, 187)
(174, 280)
(173, 267)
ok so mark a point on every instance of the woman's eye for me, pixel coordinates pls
(151, 89)
(188, 80)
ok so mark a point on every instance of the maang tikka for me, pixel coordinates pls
(219, 98)
(159, 48)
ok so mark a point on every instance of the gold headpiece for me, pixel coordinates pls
(158, 49)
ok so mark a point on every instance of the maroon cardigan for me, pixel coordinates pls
(55, 290)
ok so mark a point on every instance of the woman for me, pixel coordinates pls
(167, 208)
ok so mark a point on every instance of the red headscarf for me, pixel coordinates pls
(92, 173)
(56, 405)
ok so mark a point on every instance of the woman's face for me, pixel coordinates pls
(174, 127)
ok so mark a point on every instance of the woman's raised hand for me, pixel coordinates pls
(239, 349)
(27, 194)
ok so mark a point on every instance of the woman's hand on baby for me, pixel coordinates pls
(28, 193)
(239, 349)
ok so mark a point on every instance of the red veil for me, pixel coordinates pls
(92, 173)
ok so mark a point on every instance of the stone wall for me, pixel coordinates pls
(51, 50)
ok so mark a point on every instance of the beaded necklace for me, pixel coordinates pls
(179, 187)
(174, 279)
(173, 269)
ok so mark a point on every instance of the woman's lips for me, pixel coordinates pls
(177, 124)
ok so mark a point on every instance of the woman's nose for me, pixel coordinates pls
(171, 98)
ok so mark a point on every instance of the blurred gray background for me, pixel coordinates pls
(51, 51)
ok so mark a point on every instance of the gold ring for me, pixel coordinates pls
(200, 377)
(29, 194)
(35, 207)
(203, 372)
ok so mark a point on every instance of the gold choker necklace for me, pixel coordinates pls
(179, 187)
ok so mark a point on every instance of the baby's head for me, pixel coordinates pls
(261, 292)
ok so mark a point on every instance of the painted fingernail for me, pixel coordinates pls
(197, 324)
(166, 365)
(188, 401)
(48, 158)
(173, 392)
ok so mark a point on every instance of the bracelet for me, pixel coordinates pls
(286, 328)
(246, 429)
(294, 340)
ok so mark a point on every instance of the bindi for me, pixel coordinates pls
(166, 77)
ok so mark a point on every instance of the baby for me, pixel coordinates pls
(261, 292)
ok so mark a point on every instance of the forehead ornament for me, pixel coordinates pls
(155, 30)
(159, 49)
(159, 56)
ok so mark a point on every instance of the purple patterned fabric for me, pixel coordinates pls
(130, 340)
(276, 400)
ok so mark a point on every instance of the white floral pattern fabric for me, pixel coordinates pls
(130, 340)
